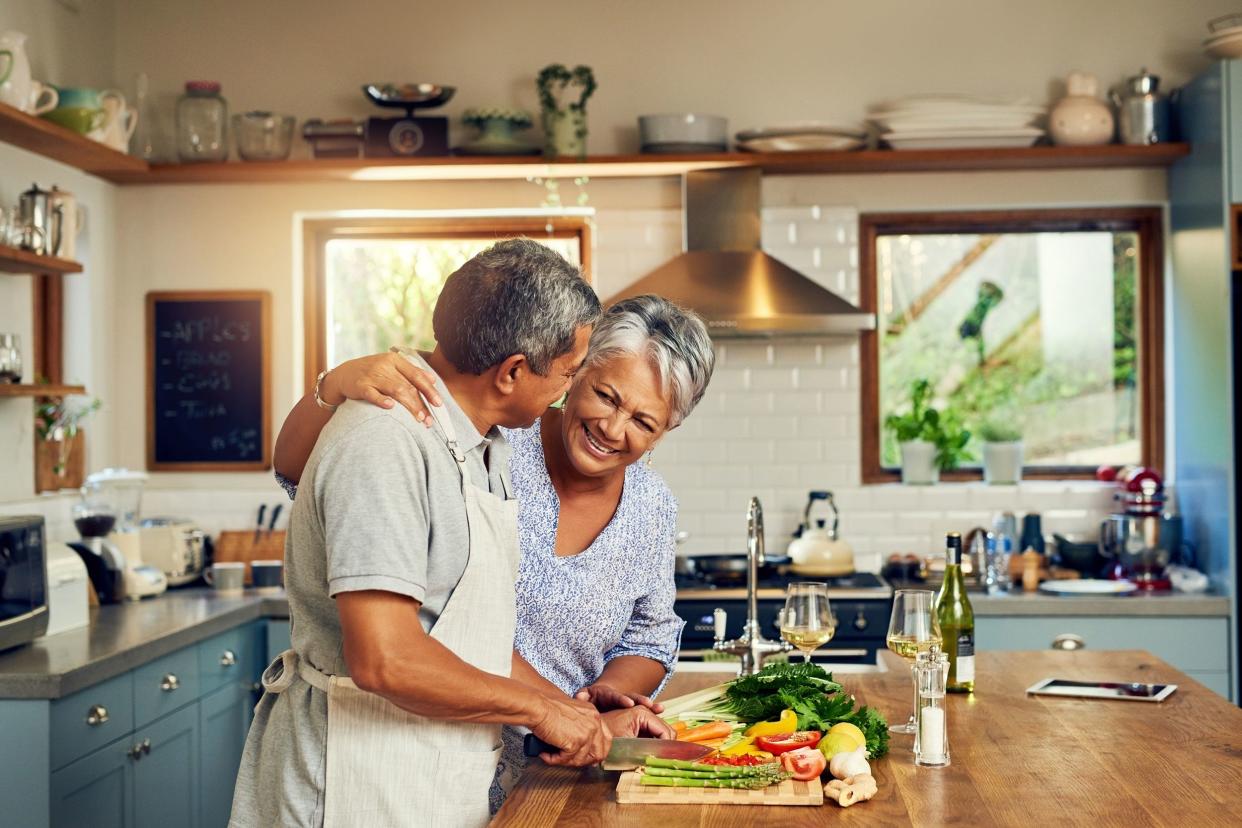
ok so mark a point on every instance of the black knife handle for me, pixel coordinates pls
(532, 745)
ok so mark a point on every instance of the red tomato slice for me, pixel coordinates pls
(805, 763)
(785, 742)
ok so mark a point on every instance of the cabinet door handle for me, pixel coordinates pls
(97, 715)
(228, 658)
(860, 623)
(170, 683)
(1069, 641)
(146, 747)
(135, 752)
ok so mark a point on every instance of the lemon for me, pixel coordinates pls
(835, 743)
(851, 730)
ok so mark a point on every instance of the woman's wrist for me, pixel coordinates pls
(328, 391)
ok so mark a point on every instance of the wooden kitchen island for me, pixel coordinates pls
(1016, 759)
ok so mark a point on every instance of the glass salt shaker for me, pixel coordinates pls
(931, 734)
(202, 123)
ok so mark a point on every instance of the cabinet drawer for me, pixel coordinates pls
(165, 684)
(1189, 644)
(91, 718)
(231, 657)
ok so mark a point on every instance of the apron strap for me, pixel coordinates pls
(280, 673)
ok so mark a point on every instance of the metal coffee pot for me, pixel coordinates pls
(35, 212)
(1142, 110)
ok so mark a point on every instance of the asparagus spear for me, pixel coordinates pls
(685, 774)
(720, 770)
(749, 783)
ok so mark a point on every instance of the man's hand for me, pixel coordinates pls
(637, 722)
(606, 697)
(576, 728)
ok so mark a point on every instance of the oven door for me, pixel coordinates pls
(860, 629)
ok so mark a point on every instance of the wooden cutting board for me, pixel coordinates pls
(790, 792)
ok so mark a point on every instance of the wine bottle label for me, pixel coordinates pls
(966, 656)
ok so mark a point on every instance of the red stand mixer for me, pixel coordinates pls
(1139, 541)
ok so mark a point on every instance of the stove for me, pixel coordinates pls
(862, 603)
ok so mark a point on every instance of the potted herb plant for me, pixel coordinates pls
(930, 442)
(1002, 449)
(564, 119)
(60, 453)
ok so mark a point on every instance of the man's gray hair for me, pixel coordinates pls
(516, 297)
(674, 339)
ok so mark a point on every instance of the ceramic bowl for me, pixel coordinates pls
(685, 128)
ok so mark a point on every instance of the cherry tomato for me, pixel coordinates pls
(785, 742)
(805, 763)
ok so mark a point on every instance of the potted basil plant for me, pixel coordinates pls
(930, 442)
(1002, 450)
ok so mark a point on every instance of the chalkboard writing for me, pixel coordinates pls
(207, 380)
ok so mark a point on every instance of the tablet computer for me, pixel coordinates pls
(1117, 690)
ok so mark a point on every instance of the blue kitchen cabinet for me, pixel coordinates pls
(166, 780)
(96, 790)
(224, 718)
(279, 638)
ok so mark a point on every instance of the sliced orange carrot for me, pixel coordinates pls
(680, 727)
(707, 732)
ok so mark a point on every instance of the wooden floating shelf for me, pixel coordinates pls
(12, 390)
(16, 260)
(464, 168)
(54, 141)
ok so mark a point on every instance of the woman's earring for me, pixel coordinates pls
(649, 456)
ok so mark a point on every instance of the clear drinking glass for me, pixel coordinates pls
(807, 621)
(913, 629)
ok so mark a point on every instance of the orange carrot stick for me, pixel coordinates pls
(707, 732)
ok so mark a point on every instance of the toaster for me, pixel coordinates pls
(175, 547)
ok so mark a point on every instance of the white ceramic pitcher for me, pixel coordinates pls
(15, 90)
(120, 121)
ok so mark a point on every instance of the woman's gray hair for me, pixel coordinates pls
(674, 339)
(516, 297)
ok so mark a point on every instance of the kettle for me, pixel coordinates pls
(817, 550)
(1142, 111)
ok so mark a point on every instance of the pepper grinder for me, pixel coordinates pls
(931, 733)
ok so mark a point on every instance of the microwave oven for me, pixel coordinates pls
(23, 580)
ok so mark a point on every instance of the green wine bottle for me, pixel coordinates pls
(957, 620)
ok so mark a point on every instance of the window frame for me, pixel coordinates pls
(317, 233)
(1148, 222)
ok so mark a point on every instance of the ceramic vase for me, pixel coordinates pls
(1081, 118)
(1002, 463)
(566, 134)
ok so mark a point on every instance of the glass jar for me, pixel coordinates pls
(202, 123)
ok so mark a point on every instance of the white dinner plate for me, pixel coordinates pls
(1088, 587)
(801, 143)
(963, 139)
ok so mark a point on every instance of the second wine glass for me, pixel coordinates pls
(807, 621)
(913, 629)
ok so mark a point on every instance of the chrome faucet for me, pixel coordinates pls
(752, 647)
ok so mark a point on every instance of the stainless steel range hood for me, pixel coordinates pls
(724, 275)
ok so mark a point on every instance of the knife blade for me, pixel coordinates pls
(271, 526)
(258, 525)
(629, 753)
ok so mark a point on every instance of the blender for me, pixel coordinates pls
(95, 516)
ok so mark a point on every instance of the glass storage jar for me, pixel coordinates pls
(202, 123)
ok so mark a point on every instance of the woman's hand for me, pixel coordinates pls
(607, 697)
(381, 380)
(637, 722)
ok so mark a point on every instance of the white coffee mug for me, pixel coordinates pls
(228, 577)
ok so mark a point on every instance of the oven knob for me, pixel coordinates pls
(860, 621)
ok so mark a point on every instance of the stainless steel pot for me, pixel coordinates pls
(1144, 544)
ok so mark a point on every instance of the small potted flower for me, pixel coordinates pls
(1002, 450)
(60, 454)
(930, 442)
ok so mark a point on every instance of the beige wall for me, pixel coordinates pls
(756, 63)
(71, 42)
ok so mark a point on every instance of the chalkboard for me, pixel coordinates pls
(208, 366)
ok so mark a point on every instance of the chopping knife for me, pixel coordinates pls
(258, 524)
(271, 526)
(629, 753)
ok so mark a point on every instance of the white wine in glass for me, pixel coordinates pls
(807, 621)
(913, 629)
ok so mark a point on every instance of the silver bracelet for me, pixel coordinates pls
(318, 399)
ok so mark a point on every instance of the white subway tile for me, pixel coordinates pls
(799, 451)
(773, 475)
(823, 475)
(841, 402)
(730, 379)
(774, 379)
(774, 425)
(788, 213)
(827, 234)
(832, 427)
(805, 404)
(701, 500)
(748, 355)
(798, 354)
(745, 402)
(896, 497)
(823, 379)
(726, 427)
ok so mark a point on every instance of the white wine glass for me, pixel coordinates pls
(807, 621)
(913, 629)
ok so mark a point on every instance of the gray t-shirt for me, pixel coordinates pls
(379, 508)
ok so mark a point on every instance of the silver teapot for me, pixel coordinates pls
(1142, 110)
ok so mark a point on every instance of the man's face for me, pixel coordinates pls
(535, 393)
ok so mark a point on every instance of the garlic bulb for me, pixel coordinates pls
(852, 763)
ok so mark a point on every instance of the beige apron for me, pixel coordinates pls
(386, 766)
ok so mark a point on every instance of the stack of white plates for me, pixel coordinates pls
(805, 136)
(949, 122)
(1226, 39)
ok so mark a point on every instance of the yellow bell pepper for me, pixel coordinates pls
(788, 723)
(746, 747)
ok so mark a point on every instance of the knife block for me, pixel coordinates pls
(243, 546)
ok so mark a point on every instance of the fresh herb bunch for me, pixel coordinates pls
(924, 422)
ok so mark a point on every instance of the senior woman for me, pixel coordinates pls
(596, 527)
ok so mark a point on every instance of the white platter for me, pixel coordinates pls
(801, 143)
(963, 139)
(1088, 587)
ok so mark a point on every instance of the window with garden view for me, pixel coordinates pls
(372, 285)
(1042, 326)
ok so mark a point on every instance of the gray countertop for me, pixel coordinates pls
(124, 636)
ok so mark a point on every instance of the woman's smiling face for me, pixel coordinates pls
(615, 411)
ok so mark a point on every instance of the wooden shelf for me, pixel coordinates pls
(10, 390)
(15, 260)
(53, 141)
(454, 168)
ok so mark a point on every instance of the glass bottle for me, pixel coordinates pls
(931, 734)
(202, 123)
(143, 143)
(956, 619)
